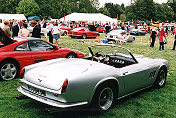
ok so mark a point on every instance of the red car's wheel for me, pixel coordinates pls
(84, 36)
(8, 70)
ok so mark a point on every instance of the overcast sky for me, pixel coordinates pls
(126, 2)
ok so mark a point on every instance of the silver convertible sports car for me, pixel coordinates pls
(109, 73)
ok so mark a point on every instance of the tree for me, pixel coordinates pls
(147, 10)
(8, 6)
(173, 6)
(28, 8)
(122, 17)
(114, 9)
(88, 5)
(104, 11)
(83, 10)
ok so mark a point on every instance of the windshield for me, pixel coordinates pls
(111, 50)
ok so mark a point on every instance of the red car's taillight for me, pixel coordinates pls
(22, 73)
(64, 86)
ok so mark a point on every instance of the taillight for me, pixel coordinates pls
(64, 86)
(22, 73)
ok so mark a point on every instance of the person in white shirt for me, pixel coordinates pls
(24, 32)
(56, 34)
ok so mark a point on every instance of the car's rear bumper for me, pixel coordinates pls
(49, 101)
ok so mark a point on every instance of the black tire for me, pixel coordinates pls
(8, 70)
(104, 97)
(71, 55)
(84, 36)
(161, 78)
(65, 33)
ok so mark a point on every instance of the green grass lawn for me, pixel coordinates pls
(151, 103)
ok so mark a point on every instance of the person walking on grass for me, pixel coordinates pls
(174, 43)
(56, 34)
(153, 36)
(162, 35)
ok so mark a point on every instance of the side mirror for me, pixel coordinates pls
(55, 48)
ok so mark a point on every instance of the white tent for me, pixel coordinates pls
(12, 16)
(89, 17)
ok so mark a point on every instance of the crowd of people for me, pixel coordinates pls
(20, 28)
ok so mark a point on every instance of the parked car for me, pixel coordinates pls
(110, 73)
(137, 32)
(100, 29)
(66, 28)
(119, 36)
(15, 53)
(83, 32)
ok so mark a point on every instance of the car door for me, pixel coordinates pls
(134, 77)
(23, 54)
(41, 51)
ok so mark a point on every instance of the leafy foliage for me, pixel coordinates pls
(140, 10)
(28, 8)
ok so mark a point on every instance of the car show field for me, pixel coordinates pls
(145, 104)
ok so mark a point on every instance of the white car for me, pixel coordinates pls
(119, 36)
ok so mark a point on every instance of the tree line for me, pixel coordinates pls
(140, 10)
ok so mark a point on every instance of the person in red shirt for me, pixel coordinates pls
(162, 34)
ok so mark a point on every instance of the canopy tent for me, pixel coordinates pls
(12, 16)
(33, 18)
(89, 17)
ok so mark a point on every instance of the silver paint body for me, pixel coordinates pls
(84, 76)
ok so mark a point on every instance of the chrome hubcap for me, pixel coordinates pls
(162, 78)
(8, 71)
(106, 98)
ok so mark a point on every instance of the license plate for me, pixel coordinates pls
(36, 91)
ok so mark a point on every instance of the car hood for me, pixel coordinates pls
(52, 73)
(4, 38)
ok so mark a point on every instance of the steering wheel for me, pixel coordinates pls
(98, 56)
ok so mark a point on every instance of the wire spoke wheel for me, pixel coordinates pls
(162, 77)
(105, 99)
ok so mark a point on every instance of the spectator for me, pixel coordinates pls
(56, 34)
(153, 36)
(107, 28)
(24, 32)
(36, 30)
(166, 30)
(162, 34)
(174, 43)
(16, 28)
(6, 27)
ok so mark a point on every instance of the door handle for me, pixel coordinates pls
(125, 73)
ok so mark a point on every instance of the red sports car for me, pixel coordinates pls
(101, 29)
(83, 32)
(19, 52)
(66, 28)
